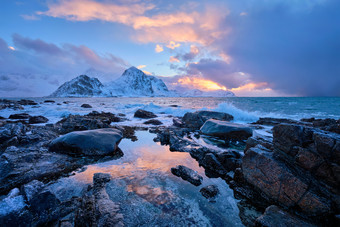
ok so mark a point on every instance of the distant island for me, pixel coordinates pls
(132, 83)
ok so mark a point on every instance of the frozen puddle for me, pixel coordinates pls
(148, 193)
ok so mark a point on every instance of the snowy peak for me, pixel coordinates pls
(81, 86)
(135, 82)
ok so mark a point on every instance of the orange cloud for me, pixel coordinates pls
(173, 59)
(159, 48)
(181, 26)
(200, 83)
(172, 45)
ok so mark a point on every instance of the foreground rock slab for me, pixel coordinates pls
(226, 130)
(187, 174)
(197, 119)
(98, 142)
(274, 216)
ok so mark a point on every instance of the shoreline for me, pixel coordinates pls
(286, 148)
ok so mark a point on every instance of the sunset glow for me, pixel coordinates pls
(200, 83)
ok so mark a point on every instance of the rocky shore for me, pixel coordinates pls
(288, 176)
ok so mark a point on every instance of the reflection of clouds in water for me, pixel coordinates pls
(139, 158)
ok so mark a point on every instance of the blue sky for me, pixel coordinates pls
(251, 47)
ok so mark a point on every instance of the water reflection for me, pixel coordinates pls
(149, 194)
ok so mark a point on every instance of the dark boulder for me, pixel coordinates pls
(98, 142)
(187, 174)
(153, 122)
(197, 119)
(26, 102)
(86, 106)
(226, 130)
(211, 163)
(144, 114)
(49, 101)
(37, 119)
(19, 116)
(274, 121)
(210, 191)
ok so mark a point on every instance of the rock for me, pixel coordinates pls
(49, 101)
(274, 216)
(26, 102)
(144, 114)
(209, 191)
(86, 106)
(98, 142)
(197, 119)
(226, 130)
(37, 119)
(19, 116)
(97, 209)
(211, 163)
(177, 122)
(274, 121)
(230, 159)
(280, 184)
(93, 120)
(187, 174)
(153, 122)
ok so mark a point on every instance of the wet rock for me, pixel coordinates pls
(226, 130)
(211, 163)
(19, 166)
(210, 191)
(230, 159)
(144, 114)
(26, 102)
(280, 184)
(97, 209)
(12, 104)
(49, 101)
(274, 121)
(248, 213)
(93, 120)
(177, 122)
(267, 142)
(19, 116)
(197, 119)
(86, 106)
(98, 142)
(274, 216)
(153, 122)
(187, 174)
(327, 124)
(37, 119)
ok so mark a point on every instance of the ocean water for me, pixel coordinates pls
(242, 108)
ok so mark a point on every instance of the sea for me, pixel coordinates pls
(142, 184)
(244, 109)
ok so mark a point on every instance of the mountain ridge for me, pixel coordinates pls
(132, 83)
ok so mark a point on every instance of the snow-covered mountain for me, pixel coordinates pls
(81, 86)
(135, 82)
(132, 83)
(199, 93)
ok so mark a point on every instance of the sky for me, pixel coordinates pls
(250, 47)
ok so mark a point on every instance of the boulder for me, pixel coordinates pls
(281, 184)
(187, 174)
(37, 119)
(26, 102)
(144, 114)
(49, 101)
(274, 216)
(274, 121)
(86, 106)
(209, 191)
(153, 122)
(226, 130)
(211, 163)
(19, 116)
(197, 119)
(98, 142)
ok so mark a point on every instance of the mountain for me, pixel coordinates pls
(132, 83)
(199, 93)
(135, 82)
(81, 86)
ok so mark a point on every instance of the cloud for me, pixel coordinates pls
(36, 67)
(191, 55)
(148, 21)
(293, 46)
(172, 45)
(159, 48)
(173, 59)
